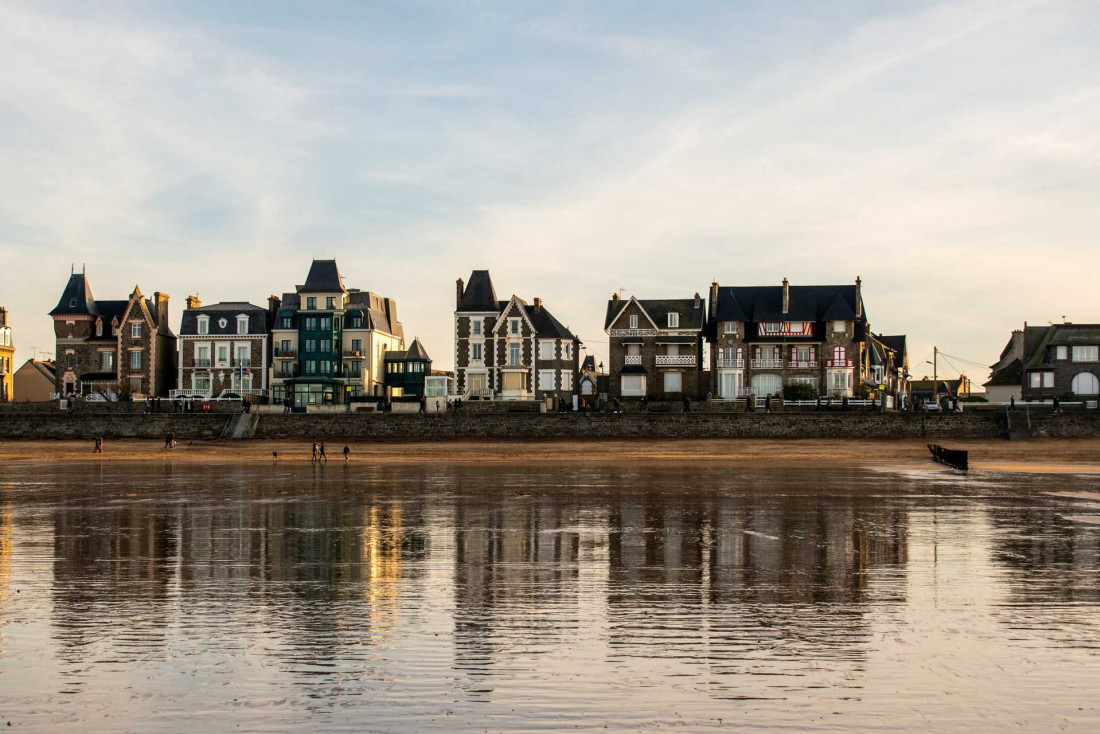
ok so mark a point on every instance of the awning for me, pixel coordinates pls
(633, 340)
(633, 369)
(675, 340)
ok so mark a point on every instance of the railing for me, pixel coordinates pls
(675, 359)
(838, 363)
(238, 362)
(243, 391)
(803, 364)
(201, 363)
(353, 354)
(736, 364)
(188, 394)
(632, 359)
(767, 364)
(286, 353)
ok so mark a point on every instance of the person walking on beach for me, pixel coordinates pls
(322, 456)
(347, 453)
(168, 440)
(98, 445)
(314, 451)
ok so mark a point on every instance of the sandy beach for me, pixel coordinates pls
(1042, 455)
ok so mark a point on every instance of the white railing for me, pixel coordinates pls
(243, 391)
(803, 364)
(635, 359)
(838, 363)
(767, 364)
(189, 393)
(675, 359)
(633, 332)
(736, 364)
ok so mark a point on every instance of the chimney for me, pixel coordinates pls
(460, 288)
(160, 302)
(273, 303)
(615, 297)
(786, 296)
(193, 302)
(538, 304)
(698, 300)
(859, 298)
(3, 316)
(713, 298)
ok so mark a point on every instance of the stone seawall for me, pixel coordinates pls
(534, 426)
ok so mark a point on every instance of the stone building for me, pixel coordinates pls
(656, 348)
(225, 350)
(7, 359)
(510, 349)
(330, 341)
(1061, 360)
(1006, 376)
(113, 348)
(764, 337)
(35, 381)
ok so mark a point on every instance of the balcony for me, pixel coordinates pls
(675, 360)
(735, 364)
(767, 364)
(285, 353)
(838, 363)
(633, 359)
(242, 362)
(803, 364)
(201, 363)
(353, 354)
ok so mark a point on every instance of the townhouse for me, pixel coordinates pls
(656, 347)
(225, 350)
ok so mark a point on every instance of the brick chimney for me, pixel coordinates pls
(615, 297)
(786, 296)
(160, 302)
(193, 302)
(3, 316)
(698, 300)
(859, 297)
(460, 288)
(538, 304)
(713, 298)
(273, 303)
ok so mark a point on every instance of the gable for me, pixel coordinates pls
(514, 309)
(632, 308)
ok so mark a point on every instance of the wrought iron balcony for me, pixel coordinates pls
(285, 353)
(633, 359)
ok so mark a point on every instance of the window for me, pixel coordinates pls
(840, 327)
(567, 350)
(729, 384)
(476, 352)
(633, 385)
(1086, 354)
(357, 345)
(356, 369)
(203, 325)
(106, 361)
(1085, 383)
(326, 367)
(326, 346)
(244, 356)
(546, 349)
(69, 359)
(476, 327)
(674, 382)
(566, 380)
(242, 324)
(70, 325)
(773, 328)
(546, 379)
(202, 356)
(311, 323)
(99, 328)
(513, 326)
(287, 322)
(311, 345)
(673, 321)
(731, 327)
(1061, 352)
(201, 382)
(72, 303)
(223, 354)
(285, 346)
(840, 356)
(513, 354)
(841, 380)
(311, 302)
(633, 350)
(768, 384)
(311, 367)
(1041, 379)
(288, 369)
(135, 330)
(135, 360)
(330, 303)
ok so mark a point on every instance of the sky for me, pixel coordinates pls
(948, 153)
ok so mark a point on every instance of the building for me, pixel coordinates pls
(1061, 361)
(406, 371)
(1007, 373)
(113, 348)
(510, 350)
(35, 381)
(330, 341)
(656, 347)
(591, 384)
(437, 387)
(225, 350)
(957, 388)
(765, 337)
(888, 362)
(7, 359)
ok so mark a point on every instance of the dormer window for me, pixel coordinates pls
(513, 326)
(731, 327)
(674, 321)
(72, 303)
(202, 325)
(633, 321)
(99, 328)
(242, 324)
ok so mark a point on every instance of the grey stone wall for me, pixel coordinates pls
(88, 427)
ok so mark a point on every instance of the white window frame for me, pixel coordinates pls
(202, 325)
(633, 321)
(673, 320)
(135, 356)
(242, 324)
(477, 351)
(731, 327)
(1086, 353)
(567, 350)
(546, 380)
(632, 385)
(514, 327)
(515, 354)
(1075, 383)
(135, 330)
(1061, 352)
(839, 327)
(475, 327)
(566, 380)
(547, 350)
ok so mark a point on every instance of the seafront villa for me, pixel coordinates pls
(510, 349)
(1061, 361)
(112, 348)
(225, 350)
(7, 356)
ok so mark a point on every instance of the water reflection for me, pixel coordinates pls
(397, 595)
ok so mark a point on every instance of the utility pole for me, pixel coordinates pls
(935, 376)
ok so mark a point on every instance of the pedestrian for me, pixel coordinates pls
(168, 440)
(687, 404)
(1012, 402)
(322, 456)
(844, 403)
(98, 445)
(768, 404)
(172, 438)
(1056, 403)
(314, 451)
(423, 405)
(347, 453)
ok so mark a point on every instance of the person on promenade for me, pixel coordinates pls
(768, 404)
(1012, 402)
(687, 404)
(314, 451)
(844, 403)
(322, 455)
(98, 445)
(423, 405)
(347, 453)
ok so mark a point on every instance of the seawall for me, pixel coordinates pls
(534, 426)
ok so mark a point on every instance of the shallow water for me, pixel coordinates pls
(452, 598)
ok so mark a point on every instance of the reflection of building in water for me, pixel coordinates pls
(5, 554)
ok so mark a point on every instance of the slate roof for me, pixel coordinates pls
(479, 294)
(323, 277)
(1011, 374)
(691, 316)
(417, 351)
(1040, 338)
(258, 320)
(805, 303)
(900, 345)
(46, 367)
(546, 326)
(77, 300)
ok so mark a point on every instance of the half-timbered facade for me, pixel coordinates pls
(510, 349)
(225, 350)
(765, 337)
(656, 347)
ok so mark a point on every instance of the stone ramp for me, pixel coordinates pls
(241, 426)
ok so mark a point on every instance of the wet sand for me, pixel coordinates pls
(1041, 455)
